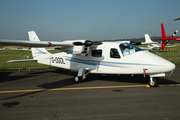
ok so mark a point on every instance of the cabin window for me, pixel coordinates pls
(127, 49)
(96, 53)
(114, 53)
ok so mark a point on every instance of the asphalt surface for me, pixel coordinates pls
(53, 95)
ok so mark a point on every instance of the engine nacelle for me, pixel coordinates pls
(75, 50)
(78, 48)
(135, 43)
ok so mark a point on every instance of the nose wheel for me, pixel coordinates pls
(153, 82)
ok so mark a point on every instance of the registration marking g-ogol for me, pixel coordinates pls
(80, 88)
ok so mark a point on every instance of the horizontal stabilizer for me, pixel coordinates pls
(25, 60)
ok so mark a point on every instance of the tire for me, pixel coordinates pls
(77, 79)
(153, 82)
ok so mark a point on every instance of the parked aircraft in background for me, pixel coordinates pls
(153, 45)
(2, 48)
(86, 57)
(165, 39)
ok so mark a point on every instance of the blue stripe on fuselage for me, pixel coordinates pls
(104, 63)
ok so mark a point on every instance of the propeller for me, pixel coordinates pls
(177, 19)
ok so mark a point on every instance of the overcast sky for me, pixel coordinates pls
(87, 19)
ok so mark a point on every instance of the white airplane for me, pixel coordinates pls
(150, 44)
(86, 57)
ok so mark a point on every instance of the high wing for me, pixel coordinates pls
(70, 46)
(34, 43)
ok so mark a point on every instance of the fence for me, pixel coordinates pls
(173, 56)
(19, 65)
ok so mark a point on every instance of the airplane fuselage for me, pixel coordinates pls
(111, 58)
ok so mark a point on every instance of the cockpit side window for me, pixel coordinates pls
(114, 53)
(127, 49)
(96, 53)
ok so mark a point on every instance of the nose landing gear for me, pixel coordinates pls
(153, 82)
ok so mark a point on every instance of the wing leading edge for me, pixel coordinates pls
(34, 43)
(70, 46)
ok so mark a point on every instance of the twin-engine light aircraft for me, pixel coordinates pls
(86, 57)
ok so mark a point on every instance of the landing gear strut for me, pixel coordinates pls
(153, 82)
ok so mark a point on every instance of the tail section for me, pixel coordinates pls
(36, 51)
(163, 31)
(33, 36)
(147, 38)
(164, 39)
(163, 44)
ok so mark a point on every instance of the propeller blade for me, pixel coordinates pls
(177, 19)
(174, 33)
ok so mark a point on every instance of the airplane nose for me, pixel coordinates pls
(162, 65)
(170, 66)
(156, 64)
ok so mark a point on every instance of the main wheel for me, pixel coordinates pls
(153, 82)
(77, 79)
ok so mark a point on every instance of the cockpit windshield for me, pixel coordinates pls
(127, 49)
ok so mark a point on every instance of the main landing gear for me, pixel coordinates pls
(81, 75)
(153, 82)
(78, 79)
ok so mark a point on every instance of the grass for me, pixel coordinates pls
(20, 52)
(8, 54)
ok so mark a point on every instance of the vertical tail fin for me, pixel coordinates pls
(163, 31)
(36, 51)
(33, 36)
(147, 39)
(163, 42)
